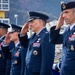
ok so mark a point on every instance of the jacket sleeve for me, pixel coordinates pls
(48, 52)
(5, 51)
(55, 37)
(23, 40)
(23, 56)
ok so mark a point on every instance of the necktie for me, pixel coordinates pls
(68, 29)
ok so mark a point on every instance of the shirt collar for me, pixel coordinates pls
(16, 44)
(40, 31)
(72, 26)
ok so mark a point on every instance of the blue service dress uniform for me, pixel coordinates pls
(8, 60)
(2, 59)
(68, 52)
(40, 53)
(5, 63)
(54, 72)
(18, 59)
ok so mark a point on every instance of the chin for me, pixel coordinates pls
(67, 23)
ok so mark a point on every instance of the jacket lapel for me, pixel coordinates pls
(35, 37)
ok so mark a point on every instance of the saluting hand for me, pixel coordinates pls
(7, 39)
(24, 28)
(60, 21)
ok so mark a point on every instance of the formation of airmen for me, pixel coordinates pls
(20, 55)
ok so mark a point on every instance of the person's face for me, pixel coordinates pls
(69, 16)
(13, 36)
(35, 25)
(3, 31)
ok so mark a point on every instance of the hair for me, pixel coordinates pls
(6, 29)
(44, 22)
(73, 10)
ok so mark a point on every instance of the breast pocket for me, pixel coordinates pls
(17, 58)
(36, 48)
(71, 49)
(72, 46)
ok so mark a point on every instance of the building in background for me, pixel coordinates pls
(4, 11)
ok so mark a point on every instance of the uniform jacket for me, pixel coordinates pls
(4, 63)
(54, 72)
(17, 59)
(8, 60)
(40, 53)
(2, 59)
(68, 52)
